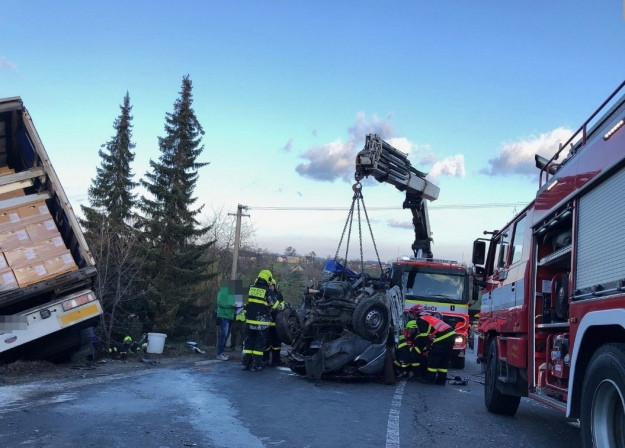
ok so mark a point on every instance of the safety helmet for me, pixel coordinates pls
(265, 274)
(411, 324)
(127, 339)
(417, 309)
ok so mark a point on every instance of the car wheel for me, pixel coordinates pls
(288, 326)
(371, 320)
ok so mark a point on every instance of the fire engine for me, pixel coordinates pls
(552, 321)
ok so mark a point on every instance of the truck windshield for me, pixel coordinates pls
(440, 287)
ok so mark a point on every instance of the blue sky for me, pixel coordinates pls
(287, 90)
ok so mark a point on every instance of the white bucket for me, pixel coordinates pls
(156, 342)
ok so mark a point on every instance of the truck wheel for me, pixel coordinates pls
(457, 362)
(495, 401)
(288, 326)
(371, 320)
(603, 398)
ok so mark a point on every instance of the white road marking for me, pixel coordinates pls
(392, 429)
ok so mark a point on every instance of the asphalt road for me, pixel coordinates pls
(212, 403)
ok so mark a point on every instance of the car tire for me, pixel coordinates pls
(288, 326)
(371, 320)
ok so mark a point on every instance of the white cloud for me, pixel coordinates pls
(335, 160)
(449, 166)
(518, 157)
(7, 65)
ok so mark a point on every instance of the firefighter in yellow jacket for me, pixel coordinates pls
(257, 322)
(274, 345)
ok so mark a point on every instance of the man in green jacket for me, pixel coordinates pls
(225, 316)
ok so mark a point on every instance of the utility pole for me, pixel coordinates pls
(237, 240)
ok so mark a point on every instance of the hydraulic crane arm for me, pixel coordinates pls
(388, 164)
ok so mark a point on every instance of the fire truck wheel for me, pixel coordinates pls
(457, 362)
(497, 402)
(603, 398)
(371, 320)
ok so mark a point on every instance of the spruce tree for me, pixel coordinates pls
(108, 219)
(176, 260)
(110, 193)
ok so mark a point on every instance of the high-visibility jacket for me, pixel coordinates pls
(435, 329)
(240, 316)
(276, 302)
(257, 310)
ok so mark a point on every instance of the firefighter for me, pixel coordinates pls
(411, 359)
(274, 345)
(257, 322)
(403, 357)
(434, 339)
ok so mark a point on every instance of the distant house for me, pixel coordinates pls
(297, 268)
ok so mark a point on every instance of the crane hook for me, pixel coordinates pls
(357, 187)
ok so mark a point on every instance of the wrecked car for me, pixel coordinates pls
(344, 327)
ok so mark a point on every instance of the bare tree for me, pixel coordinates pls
(119, 267)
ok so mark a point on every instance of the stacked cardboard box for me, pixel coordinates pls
(31, 247)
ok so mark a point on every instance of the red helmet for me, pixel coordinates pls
(417, 309)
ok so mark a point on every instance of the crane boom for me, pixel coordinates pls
(386, 163)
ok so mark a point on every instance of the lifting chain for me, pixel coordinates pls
(357, 199)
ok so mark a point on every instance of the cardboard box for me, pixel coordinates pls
(7, 280)
(9, 219)
(35, 251)
(3, 263)
(34, 212)
(43, 230)
(44, 269)
(12, 194)
(12, 239)
(60, 263)
(29, 274)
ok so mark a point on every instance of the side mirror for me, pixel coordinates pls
(479, 252)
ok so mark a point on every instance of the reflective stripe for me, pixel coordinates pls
(257, 322)
(255, 352)
(278, 305)
(262, 302)
(247, 352)
(445, 336)
(403, 344)
(442, 370)
(431, 370)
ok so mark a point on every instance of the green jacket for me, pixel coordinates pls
(225, 304)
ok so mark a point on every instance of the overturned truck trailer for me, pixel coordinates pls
(47, 306)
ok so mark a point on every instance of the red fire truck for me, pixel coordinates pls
(552, 322)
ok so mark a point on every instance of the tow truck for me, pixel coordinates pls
(441, 286)
(349, 322)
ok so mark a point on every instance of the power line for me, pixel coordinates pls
(431, 207)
